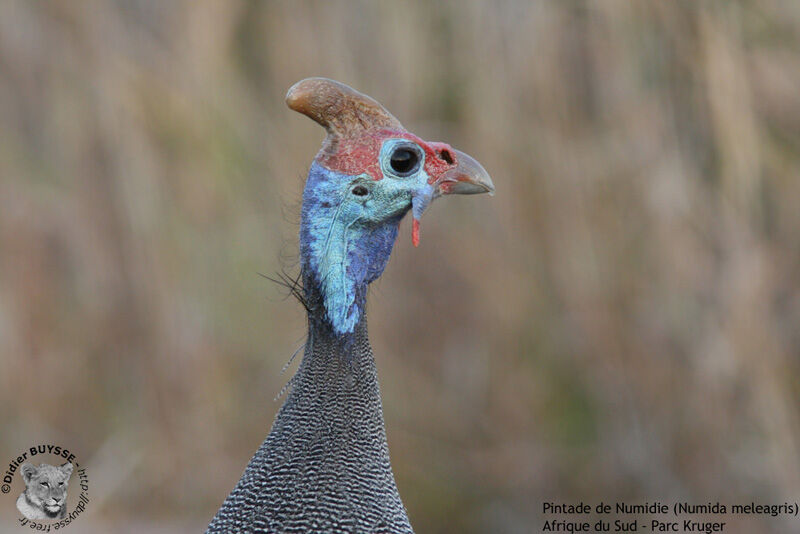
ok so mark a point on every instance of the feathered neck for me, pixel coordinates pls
(324, 466)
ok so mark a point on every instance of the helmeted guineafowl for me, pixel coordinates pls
(324, 467)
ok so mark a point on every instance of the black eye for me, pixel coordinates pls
(45, 484)
(404, 161)
(360, 191)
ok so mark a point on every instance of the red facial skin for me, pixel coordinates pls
(361, 155)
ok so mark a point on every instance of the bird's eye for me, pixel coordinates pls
(404, 161)
(359, 191)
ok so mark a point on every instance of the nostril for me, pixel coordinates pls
(446, 156)
(360, 190)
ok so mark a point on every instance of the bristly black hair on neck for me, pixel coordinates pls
(292, 283)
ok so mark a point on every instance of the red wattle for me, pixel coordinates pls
(415, 232)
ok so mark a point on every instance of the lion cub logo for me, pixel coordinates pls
(45, 496)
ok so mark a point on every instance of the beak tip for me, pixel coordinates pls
(489, 185)
(467, 178)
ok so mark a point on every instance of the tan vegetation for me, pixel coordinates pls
(621, 321)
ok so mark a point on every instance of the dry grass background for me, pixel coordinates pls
(621, 321)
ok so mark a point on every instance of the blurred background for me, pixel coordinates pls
(621, 321)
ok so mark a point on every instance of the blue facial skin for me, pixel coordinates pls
(348, 227)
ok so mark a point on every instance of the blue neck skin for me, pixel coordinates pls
(344, 245)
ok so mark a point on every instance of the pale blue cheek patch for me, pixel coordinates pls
(422, 198)
(345, 241)
(323, 245)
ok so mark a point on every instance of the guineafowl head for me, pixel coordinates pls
(369, 173)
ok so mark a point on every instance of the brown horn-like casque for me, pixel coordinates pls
(341, 110)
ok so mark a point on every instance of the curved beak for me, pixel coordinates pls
(468, 177)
